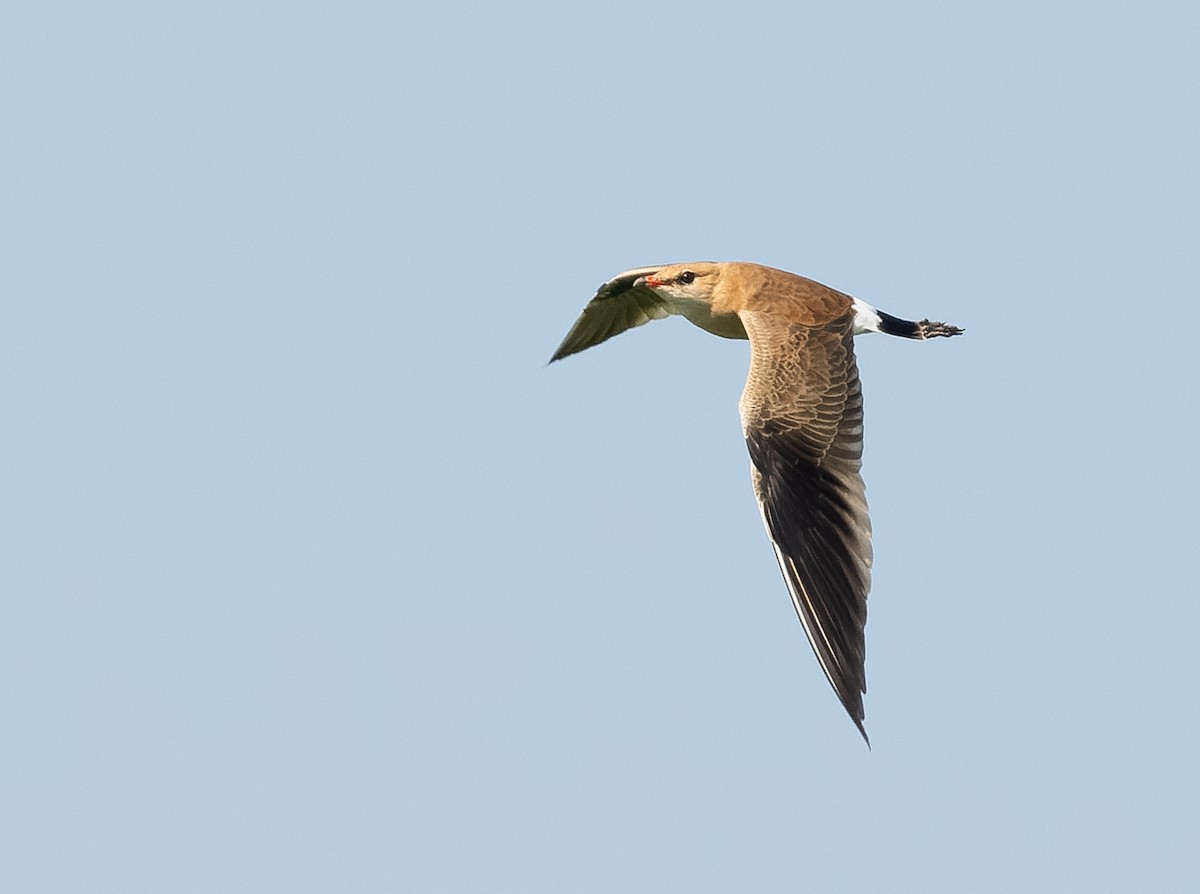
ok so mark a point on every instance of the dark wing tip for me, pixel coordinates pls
(560, 352)
(862, 730)
(811, 526)
(820, 533)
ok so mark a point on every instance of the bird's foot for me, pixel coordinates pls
(930, 329)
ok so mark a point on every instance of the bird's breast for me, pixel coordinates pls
(726, 325)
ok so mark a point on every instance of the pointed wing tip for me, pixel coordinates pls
(862, 731)
(566, 349)
(852, 704)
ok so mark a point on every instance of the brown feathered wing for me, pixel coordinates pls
(803, 421)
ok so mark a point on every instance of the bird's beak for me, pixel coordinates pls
(651, 281)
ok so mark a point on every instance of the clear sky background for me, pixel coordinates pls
(315, 577)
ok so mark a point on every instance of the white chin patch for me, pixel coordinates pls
(866, 318)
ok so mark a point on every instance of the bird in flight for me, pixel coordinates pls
(802, 417)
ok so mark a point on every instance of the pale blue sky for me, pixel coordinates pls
(315, 577)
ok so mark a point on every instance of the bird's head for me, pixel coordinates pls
(694, 282)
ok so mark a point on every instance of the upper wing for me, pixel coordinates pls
(802, 417)
(617, 306)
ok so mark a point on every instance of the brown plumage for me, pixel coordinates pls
(803, 421)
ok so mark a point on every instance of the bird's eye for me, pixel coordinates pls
(687, 277)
